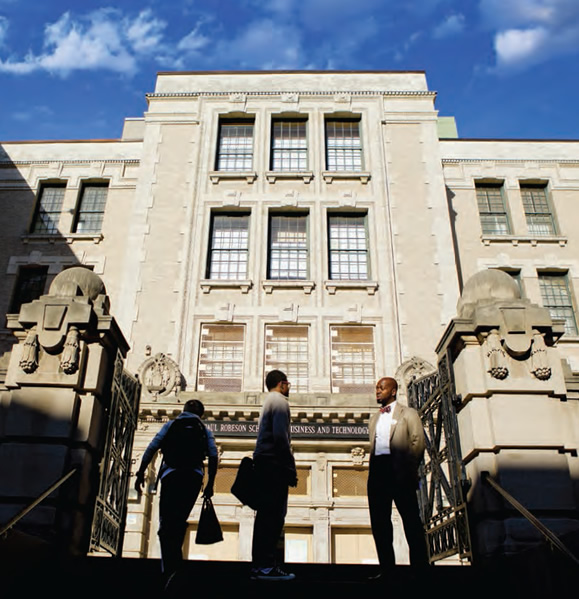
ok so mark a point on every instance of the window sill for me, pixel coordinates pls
(307, 286)
(273, 176)
(568, 339)
(208, 284)
(533, 240)
(60, 238)
(333, 286)
(329, 176)
(217, 176)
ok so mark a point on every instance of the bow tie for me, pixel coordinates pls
(386, 409)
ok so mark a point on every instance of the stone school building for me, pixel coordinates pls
(322, 223)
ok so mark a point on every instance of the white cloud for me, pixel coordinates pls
(145, 33)
(194, 40)
(517, 46)
(452, 25)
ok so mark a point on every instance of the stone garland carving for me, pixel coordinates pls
(539, 359)
(357, 454)
(496, 355)
(29, 359)
(160, 375)
(69, 360)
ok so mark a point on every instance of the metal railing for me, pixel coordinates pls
(549, 535)
(6, 528)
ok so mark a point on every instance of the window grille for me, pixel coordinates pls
(224, 479)
(349, 482)
(288, 251)
(353, 360)
(49, 209)
(29, 286)
(91, 208)
(492, 210)
(348, 247)
(343, 145)
(304, 486)
(221, 358)
(289, 150)
(235, 148)
(229, 247)
(556, 296)
(286, 349)
(537, 211)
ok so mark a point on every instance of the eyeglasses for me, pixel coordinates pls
(287, 383)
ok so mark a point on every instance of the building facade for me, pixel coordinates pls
(323, 223)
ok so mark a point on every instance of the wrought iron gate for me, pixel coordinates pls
(111, 502)
(443, 482)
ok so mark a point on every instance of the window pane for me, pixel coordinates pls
(348, 248)
(289, 146)
(288, 252)
(556, 296)
(29, 286)
(235, 152)
(537, 210)
(91, 209)
(286, 349)
(491, 207)
(221, 358)
(343, 146)
(353, 360)
(229, 247)
(49, 208)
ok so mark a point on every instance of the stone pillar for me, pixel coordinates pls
(515, 421)
(53, 416)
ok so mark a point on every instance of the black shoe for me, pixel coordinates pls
(275, 573)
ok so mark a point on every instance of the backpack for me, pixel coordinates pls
(185, 444)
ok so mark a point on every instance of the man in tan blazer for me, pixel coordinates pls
(396, 450)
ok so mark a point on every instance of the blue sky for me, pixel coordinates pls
(74, 70)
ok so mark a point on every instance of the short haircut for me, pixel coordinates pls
(274, 378)
(194, 406)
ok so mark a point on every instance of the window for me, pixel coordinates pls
(286, 348)
(348, 247)
(349, 482)
(352, 354)
(48, 208)
(228, 249)
(537, 211)
(556, 296)
(221, 358)
(288, 247)
(289, 150)
(492, 210)
(91, 208)
(343, 145)
(29, 286)
(235, 148)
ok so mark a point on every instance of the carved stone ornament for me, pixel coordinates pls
(496, 355)
(29, 359)
(357, 454)
(159, 375)
(69, 360)
(539, 358)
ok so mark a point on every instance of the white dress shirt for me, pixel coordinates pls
(383, 426)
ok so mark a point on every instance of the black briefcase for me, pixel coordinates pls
(245, 485)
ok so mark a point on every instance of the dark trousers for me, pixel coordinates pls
(272, 485)
(384, 486)
(179, 491)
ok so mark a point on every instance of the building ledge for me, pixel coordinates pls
(217, 176)
(533, 240)
(329, 176)
(333, 286)
(273, 176)
(306, 286)
(61, 238)
(208, 284)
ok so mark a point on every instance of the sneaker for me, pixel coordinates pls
(274, 573)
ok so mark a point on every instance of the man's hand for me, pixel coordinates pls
(293, 479)
(139, 481)
(208, 491)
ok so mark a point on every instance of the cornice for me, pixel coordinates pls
(399, 93)
(552, 161)
(11, 163)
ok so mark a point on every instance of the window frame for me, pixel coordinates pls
(288, 366)
(211, 249)
(529, 186)
(291, 214)
(79, 211)
(485, 186)
(239, 155)
(341, 214)
(571, 328)
(16, 301)
(337, 383)
(343, 120)
(38, 208)
(296, 120)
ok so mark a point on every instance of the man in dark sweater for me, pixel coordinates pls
(275, 471)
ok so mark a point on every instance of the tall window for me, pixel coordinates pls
(29, 286)
(228, 246)
(91, 208)
(288, 246)
(48, 208)
(343, 145)
(348, 247)
(492, 210)
(353, 360)
(235, 147)
(286, 349)
(289, 150)
(221, 358)
(537, 210)
(556, 296)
